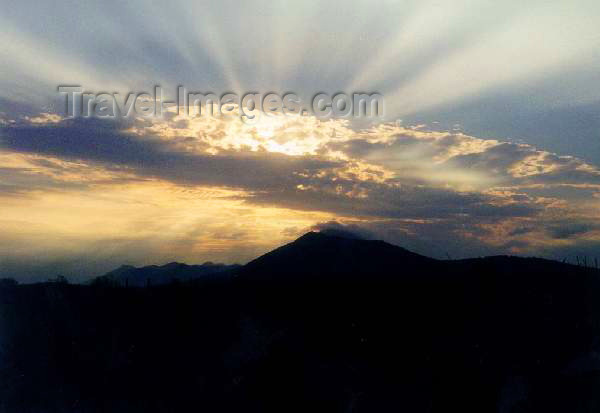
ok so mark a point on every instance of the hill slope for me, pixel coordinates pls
(408, 333)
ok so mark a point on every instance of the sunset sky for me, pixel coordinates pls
(490, 142)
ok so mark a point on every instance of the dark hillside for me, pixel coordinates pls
(370, 327)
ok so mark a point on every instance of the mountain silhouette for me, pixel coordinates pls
(165, 274)
(318, 254)
(337, 256)
(328, 322)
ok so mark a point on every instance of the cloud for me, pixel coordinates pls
(438, 193)
(568, 230)
(344, 230)
(111, 143)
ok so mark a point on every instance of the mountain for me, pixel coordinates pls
(320, 255)
(325, 323)
(335, 256)
(165, 274)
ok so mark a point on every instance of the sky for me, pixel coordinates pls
(490, 143)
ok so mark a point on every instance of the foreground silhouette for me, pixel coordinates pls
(325, 323)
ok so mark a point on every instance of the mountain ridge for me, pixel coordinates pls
(128, 275)
(317, 253)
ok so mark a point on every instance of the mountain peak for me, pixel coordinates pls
(330, 233)
(318, 254)
(310, 236)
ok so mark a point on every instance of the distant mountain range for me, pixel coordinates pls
(128, 275)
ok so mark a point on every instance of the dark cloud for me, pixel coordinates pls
(521, 231)
(391, 201)
(571, 229)
(107, 142)
(88, 139)
(499, 158)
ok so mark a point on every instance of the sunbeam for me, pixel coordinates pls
(528, 49)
